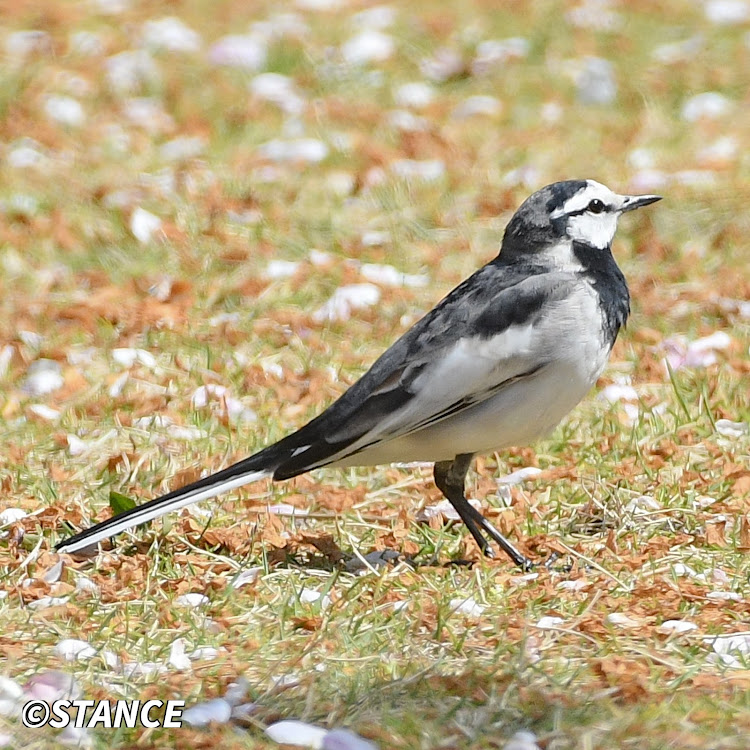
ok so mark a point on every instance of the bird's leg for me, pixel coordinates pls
(450, 477)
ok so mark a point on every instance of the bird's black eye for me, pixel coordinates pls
(596, 206)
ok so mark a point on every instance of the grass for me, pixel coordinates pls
(650, 507)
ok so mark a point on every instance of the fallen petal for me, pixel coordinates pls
(468, 607)
(345, 300)
(669, 627)
(549, 622)
(43, 376)
(345, 739)
(143, 225)
(522, 740)
(519, 475)
(245, 576)
(726, 12)
(11, 515)
(239, 51)
(73, 649)
(300, 733)
(217, 710)
(367, 47)
(192, 600)
(171, 34)
(731, 429)
(51, 686)
(177, 657)
(724, 596)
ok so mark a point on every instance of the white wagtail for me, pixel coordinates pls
(499, 362)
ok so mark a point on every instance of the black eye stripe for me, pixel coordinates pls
(587, 209)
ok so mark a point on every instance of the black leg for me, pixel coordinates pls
(450, 477)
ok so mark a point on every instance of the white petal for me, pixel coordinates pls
(390, 276)
(48, 601)
(709, 105)
(86, 584)
(727, 12)
(177, 657)
(72, 649)
(731, 429)
(577, 584)
(368, 46)
(345, 739)
(171, 34)
(203, 394)
(11, 515)
(43, 376)
(192, 600)
(622, 620)
(728, 644)
(617, 392)
(472, 106)
(522, 740)
(10, 690)
(427, 170)
(239, 51)
(54, 573)
(676, 626)
(519, 475)
(65, 110)
(281, 269)
(217, 710)
(549, 621)
(294, 150)
(204, 653)
(345, 300)
(468, 607)
(148, 669)
(186, 432)
(377, 17)
(300, 733)
(417, 94)
(309, 596)
(724, 596)
(45, 412)
(143, 225)
(52, 685)
(249, 575)
(643, 504)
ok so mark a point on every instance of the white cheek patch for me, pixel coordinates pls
(593, 229)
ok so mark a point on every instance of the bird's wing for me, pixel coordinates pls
(481, 337)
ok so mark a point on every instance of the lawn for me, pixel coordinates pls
(213, 217)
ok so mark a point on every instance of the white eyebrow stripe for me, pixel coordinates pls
(583, 197)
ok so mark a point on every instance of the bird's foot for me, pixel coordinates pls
(549, 564)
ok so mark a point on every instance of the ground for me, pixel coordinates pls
(197, 257)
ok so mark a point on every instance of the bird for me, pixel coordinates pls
(498, 362)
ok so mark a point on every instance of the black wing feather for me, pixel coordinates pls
(486, 304)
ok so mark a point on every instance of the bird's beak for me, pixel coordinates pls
(631, 202)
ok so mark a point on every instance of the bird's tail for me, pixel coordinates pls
(251, 469)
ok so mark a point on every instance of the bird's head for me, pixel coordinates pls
(582, 210)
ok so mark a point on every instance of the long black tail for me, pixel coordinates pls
(251, 469)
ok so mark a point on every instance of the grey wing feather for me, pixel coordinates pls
(437, 368)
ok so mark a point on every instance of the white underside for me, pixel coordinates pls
(523, 411)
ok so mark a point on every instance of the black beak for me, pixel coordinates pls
(631, 202)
